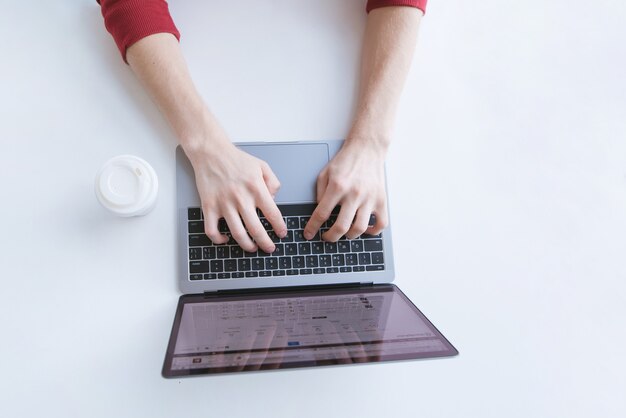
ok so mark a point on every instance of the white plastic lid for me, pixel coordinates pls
(127, 186)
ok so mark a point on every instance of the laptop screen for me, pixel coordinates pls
(298, 328)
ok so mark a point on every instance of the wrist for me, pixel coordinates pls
(371, 132)
(204, 137)
(369, 139)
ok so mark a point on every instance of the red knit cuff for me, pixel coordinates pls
(128, 21)
(375, 4)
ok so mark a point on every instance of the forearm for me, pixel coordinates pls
(159, 64)
(390, 37)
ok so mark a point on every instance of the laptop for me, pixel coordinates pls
(309, 303)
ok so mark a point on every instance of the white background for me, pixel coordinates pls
(507, 181)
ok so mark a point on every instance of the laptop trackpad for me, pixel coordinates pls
(296, 166)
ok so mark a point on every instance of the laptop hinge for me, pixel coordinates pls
(264, 290)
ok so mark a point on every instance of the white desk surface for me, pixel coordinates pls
(507, 182)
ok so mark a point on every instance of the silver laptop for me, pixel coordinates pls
(309, 303)
(205, 267)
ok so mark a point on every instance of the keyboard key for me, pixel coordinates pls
(317, 247)
(345, 269)
(352, 260)
(278, 273)
(222, 251)
(284, 262)
(358, 268)
(237, 275)
(364, 259)
(265, 273)
(223, 275)
(236, 251)
(208, 253)
(293, 223)
(343, 246)
(279, 251)
(338, 260)
(244, 264)
(291, 249)
(198, 267)
(325, 260)
(375, 268)
(252, 274)
(210, 276)
(230, 265)
(292, 272)
(298, 262)
(377, 258)
(231, 240)
(195, 227)
(306, 271)
(332, 270)
(330, 247)
(319, 270)
(222, 226)
(273, 236)
(266, 224)
(311, 261)
(258, 264)
(248, 254)
(199, 240)
(368, 236)
(304, 248)
(217, 266)
(298, 235)
(195, 277)
(288, 237)
(331, 221)
(303, 221)
(373, 244)
(195, 253)
(263, 253)
(194, 214)
(271, 263)
(356, 246)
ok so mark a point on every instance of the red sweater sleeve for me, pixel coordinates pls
(375, 4)
(130, 20)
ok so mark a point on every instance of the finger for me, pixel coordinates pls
(321, 185)
(272, 213)
(238, 231)
(382, 219)
(360, 224)
(321, 213)
(256, 230)
(210, 228)
(343, 222)
(271, 181)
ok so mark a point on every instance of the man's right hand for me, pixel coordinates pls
(232, 185)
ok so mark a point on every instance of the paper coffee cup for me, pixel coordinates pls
(127, 186)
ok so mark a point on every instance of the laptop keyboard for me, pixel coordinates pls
(294, 255)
